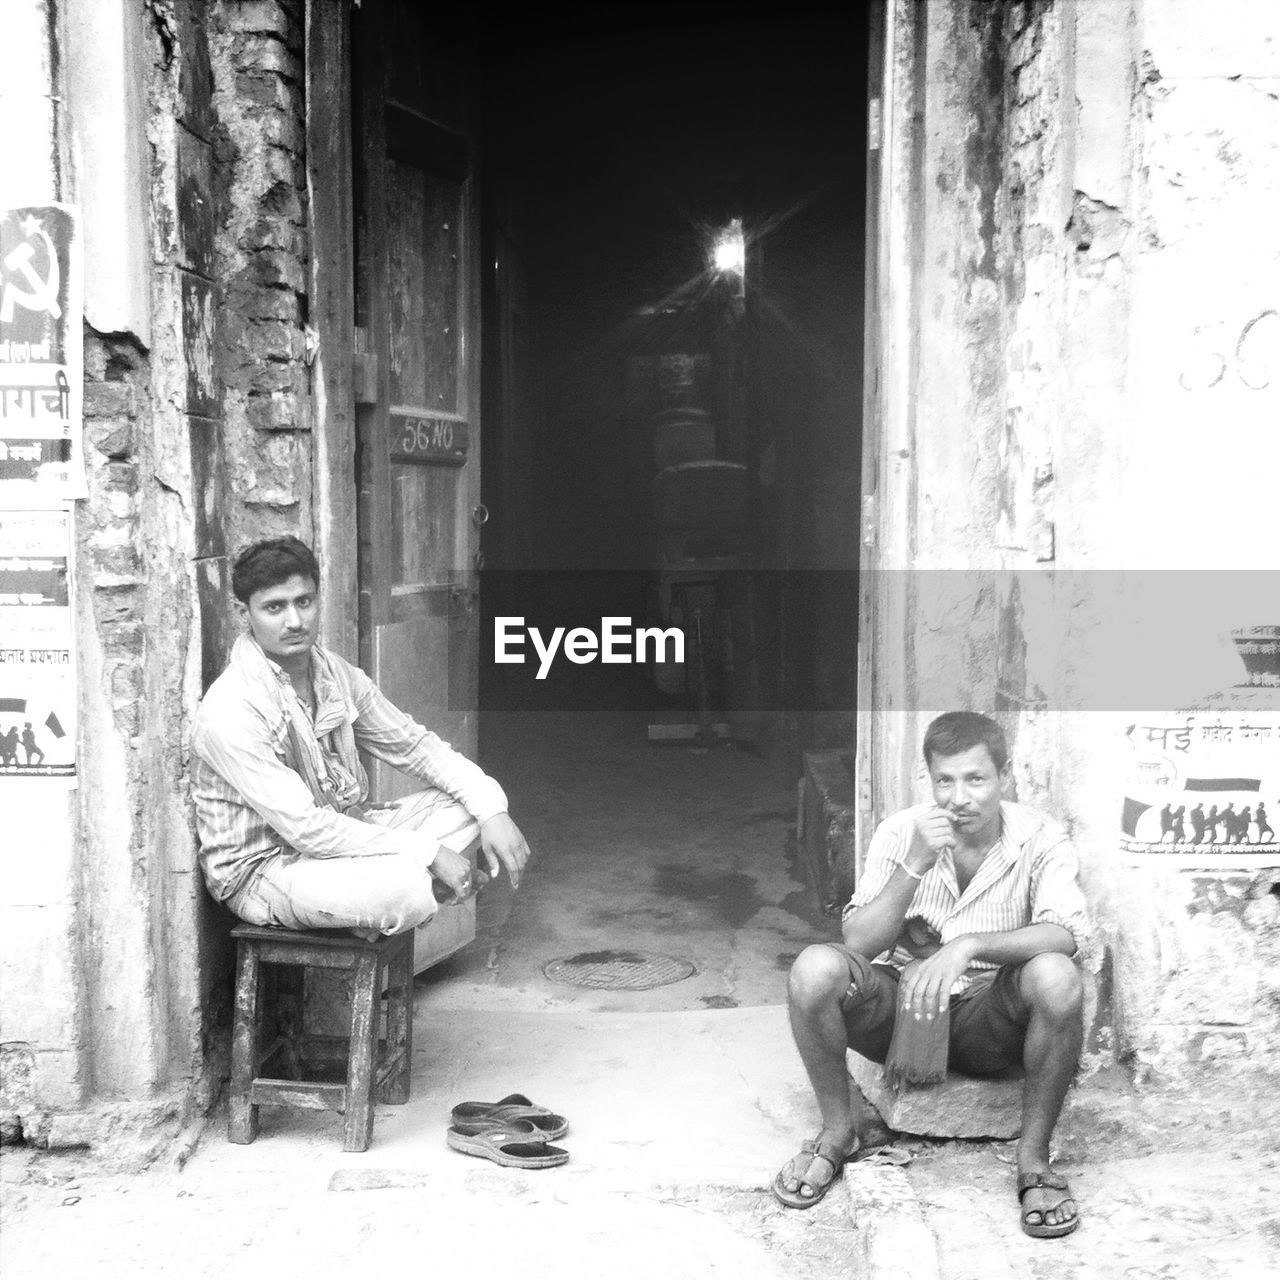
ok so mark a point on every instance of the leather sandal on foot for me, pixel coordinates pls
(515, 1106)
(512, 1146)
(1043, 1230)
(815, 1149)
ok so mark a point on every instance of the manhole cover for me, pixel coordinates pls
(618, 970)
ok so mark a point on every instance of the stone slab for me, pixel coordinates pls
(959, 1107)
(892, 1238)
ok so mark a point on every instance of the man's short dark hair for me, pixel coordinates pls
(957, 731)
(271, 562)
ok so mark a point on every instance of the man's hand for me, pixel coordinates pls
(454, 869)
(503, 844)
(926, 988)
(933, 833)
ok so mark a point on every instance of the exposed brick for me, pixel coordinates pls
(283, 129)
(283, 201)
(17, 1068)
(121, 560)
(257, 16)
(271, 377)
(276, 268)
(272, 413)
(112, 437)
(126, 639)
(126, 698)
(268, 339)
(246, 299)
(261, 89)
(282, 165)
(120, 476)
(109, 400)
(276, 376)
(275, 233)
(74, 1132)
(256, 52)
(116, 601)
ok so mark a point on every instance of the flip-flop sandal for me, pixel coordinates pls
(884, 1155)
(511, 1147)
(515, 1106)
(1043, 1230)
(823, 1151)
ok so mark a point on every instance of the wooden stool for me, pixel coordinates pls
(369, 1074)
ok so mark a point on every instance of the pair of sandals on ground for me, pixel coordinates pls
(808, 1176)
(513, 1132)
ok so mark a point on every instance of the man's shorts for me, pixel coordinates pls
(988, 1019)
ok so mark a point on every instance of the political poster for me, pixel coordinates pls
(41, 356)
(37, 677)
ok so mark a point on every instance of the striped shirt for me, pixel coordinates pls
(269, 781)
(1028, 877)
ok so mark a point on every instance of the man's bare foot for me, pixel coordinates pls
(1048, 1208)
(807, 1176)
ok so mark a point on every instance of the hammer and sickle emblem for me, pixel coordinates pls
(43, 294)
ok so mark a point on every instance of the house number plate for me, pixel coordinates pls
(425, 438)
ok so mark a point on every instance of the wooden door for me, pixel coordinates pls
(418, 432)
(417, 384)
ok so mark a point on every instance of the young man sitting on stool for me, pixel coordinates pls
(968, 909)
(287, 834)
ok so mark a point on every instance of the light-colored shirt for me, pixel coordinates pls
(1028, 877)
(269, 781)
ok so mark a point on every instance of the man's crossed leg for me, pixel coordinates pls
(377, 893)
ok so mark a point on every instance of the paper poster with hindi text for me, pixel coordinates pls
(41, 356)
(37, 671)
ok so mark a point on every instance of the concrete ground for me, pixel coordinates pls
(683, 1100)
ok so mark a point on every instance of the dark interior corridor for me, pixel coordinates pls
(612, 161)
(613, 158)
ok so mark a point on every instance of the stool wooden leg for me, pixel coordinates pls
(360, 1062)
(400, 1020)
(242, 1123)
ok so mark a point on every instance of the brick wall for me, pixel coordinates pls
(261, 251)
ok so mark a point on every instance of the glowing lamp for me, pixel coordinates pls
(729, 252)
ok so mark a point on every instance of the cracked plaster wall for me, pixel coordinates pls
(197, 439)
(1092, 281)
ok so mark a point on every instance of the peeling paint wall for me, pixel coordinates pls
(42, 1040)
(197, 439)
(1082, 366)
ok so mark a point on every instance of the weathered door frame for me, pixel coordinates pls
(886, 727)
(332, 315)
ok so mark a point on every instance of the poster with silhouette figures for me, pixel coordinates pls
(37, 678)
(1203, 785)
(41, 356)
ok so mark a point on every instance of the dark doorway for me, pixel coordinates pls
(613, 156)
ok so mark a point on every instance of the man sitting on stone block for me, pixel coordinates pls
(965, 920)
(287, 833)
